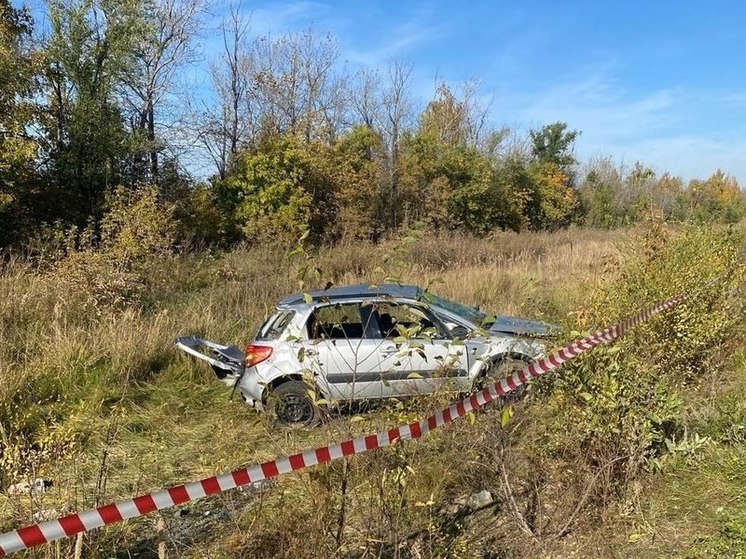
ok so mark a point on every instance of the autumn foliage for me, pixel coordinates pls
(287, 139)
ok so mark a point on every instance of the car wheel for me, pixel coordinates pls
(292, 405)
(500, 369)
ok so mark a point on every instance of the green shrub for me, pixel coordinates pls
(729, 542)
(111, 263)
(616, 409)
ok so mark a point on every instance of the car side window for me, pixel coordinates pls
(341, 321)
(399, 319)
(275, 325)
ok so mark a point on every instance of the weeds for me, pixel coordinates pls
(563, 466)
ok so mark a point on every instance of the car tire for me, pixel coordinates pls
(292, 405)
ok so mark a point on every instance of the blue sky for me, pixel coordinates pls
(660, 82)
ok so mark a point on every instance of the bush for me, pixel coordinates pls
(110, 264)
(613, 410)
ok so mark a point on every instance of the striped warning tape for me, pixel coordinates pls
(70, 525)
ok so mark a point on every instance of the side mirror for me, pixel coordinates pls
(457, 331)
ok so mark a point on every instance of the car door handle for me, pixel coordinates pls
(388, 352)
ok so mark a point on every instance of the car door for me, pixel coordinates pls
(343, 351)
(417, 353)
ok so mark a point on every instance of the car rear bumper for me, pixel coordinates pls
(251, 387)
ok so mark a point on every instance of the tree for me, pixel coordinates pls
(365, 99)
(457, 119)
(554, 201)
(353, 167)
(600, 192)
(85, 143)
(229, 123)
(397, 112)
(17, 149)
(421, 190)
(514, 191)
(445, 119)
(665, 194)
(719, 198)
(277, 190)
(271, 87)
(635, 197)
(296, 87)
(473, 203)
(165, 48)
(448, 186)
(554, 143)
(287, 184)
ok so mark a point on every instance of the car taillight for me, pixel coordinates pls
(255, 354)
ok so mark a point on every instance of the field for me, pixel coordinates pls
(636, 451)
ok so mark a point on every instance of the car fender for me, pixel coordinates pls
(506, 348)
(285, 366)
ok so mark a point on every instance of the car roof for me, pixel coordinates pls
(360, 290)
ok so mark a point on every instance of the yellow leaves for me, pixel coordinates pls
(506, 414)
(111, 266)
(718, 198)
(722, 188)
(5, 199)
(16, 155)
(557, 199)
(429, 503)
(136, 225)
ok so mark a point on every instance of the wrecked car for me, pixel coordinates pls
(365, 342)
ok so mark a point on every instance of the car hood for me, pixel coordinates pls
(523, 327)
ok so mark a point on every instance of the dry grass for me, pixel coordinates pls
(98, 400)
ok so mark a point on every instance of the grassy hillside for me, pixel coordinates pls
(635, 451)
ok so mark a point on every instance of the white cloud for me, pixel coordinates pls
(668, 129)
(690, 156)
(735, 99)
(394, 43)
(280, 18)
(600, 108)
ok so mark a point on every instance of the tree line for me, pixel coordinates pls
(94, 104)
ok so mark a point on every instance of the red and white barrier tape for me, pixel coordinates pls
(70, 525)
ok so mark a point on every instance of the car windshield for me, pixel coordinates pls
(472, 314)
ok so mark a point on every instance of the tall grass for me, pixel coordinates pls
(94, 396)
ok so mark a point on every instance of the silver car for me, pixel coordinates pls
(365, 342)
